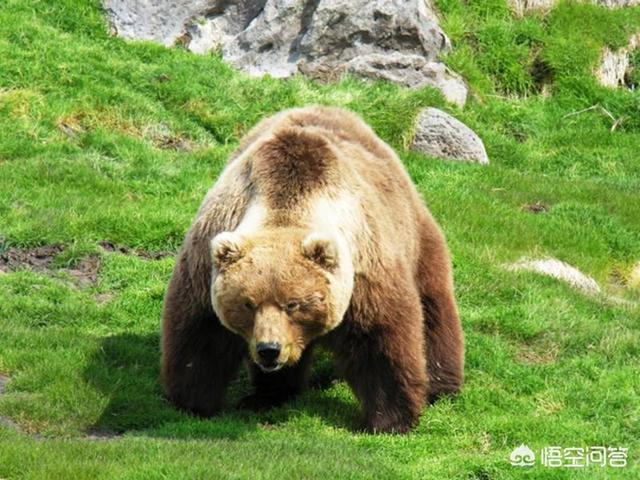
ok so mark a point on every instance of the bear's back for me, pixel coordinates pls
(303, 151)
(318, 167)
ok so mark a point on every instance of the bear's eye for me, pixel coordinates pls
(249, 305)
(292, 306)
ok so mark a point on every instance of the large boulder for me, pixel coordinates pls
(395, 40)
(438, 134)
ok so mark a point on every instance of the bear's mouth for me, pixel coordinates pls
(270, 368)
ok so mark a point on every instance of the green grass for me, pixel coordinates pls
(84, 122)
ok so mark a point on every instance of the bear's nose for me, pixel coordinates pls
(268, 351)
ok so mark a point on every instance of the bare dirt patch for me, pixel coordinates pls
(530, 355)
(536, 207)
(101, 435)
(113, 248)
(40, 259)
(85, 273)
(162, 137)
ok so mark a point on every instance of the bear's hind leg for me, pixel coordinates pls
(445, 348)
(443, 331)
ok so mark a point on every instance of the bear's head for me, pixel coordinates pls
(279, 289)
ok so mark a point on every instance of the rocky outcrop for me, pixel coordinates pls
(523, 7)
(159, 21)
(615, 66)
(438, 134)
(617, 3)
(394, 40)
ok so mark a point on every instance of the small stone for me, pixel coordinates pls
(438, 134)
(559, 270)
(634, 277)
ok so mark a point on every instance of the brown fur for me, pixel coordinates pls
(297, 158)
(399, 344)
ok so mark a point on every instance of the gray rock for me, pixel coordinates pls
(412, 71)
(395, 40)
(438, 134)
(523, 7)
(159, 21)
(559, 270)
(219, 25)
(617, 3)
(266, 44)
(340, 30)
(614, 65)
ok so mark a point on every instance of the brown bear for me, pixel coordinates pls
(313, 234)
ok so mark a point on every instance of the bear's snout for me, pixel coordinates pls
(271, 345)
(268, 353)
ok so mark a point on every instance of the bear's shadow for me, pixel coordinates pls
(126, 370)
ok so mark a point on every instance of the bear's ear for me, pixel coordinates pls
(226, 249)
(322, 249)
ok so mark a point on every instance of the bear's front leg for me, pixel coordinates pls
(380, 351)
(198, 362)
(199, 355)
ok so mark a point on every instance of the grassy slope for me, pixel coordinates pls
(545, 365)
